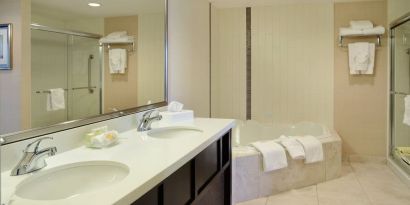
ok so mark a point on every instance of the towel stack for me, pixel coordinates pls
(361, 28)
(361, 55)
(118, 56)
(274, 155)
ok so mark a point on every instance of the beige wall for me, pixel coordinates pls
(397, 8)
(15, 83)
(120, 90)
(189, 54)
(360, 102)
(151, 58)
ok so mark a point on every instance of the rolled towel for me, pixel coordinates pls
(273, 155)
(406, 115)
(361, 24)
(294, 148)
(313, 148)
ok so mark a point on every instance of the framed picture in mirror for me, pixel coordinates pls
(5, 46)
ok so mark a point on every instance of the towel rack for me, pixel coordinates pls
(399, 93)
(79, 88)
(379, 42)
(131, 44)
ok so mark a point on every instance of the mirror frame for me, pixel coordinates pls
(10, 138)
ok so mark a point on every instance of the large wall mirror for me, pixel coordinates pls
(81, 61)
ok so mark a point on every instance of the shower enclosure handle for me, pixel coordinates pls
(90, 58)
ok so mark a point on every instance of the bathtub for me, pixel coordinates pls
(251, 182)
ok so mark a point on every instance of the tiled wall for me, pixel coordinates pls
(228, 64)
(292, 63)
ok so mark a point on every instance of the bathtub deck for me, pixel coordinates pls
(250, 182)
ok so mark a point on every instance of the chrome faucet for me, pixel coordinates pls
(33, 160)
(146, 120)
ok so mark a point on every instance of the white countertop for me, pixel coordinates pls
(150, 161)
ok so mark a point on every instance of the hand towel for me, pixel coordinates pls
(361, 24)
(55, 99)
(313, 148)
(358, 56)
(370, 67)
(273, 155)
(406, 118)
(294, 148)
(117, 60)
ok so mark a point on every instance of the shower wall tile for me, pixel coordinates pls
(228, 63)
(292, 63)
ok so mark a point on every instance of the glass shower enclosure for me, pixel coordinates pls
(67, 60)
(399, 91)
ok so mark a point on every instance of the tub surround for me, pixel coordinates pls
(150, 161)
(251, 182)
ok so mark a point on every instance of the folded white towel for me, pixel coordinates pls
(123, 39)
(358, 57)
(117, 60)
(273, 155)
(55, 99)
(313, 148)
(370, 67)
(175, 106)
(406, 118)
(294, 148)
(361, 24)
(117, 34)
(378, 30)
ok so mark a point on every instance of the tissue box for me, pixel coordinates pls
(176, 117)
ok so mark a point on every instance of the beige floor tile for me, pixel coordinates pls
(260, 201)
(304, 196)
(381, 185)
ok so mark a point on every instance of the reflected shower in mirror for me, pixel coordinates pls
(86, 61)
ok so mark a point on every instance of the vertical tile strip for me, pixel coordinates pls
(248, 64)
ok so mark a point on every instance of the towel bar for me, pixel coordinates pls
(378, 44)
(79, 88)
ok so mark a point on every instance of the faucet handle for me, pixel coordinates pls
(37, 143)
(149, 113)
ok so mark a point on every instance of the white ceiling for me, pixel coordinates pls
(248, 3)
(109, 8)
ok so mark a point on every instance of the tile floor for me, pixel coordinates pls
(360, 184)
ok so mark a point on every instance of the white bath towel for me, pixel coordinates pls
(55, 99)
(361, 58)
(117, 60)
(406, 118)
(313, 148)
(273, 155)
(361, 24)
(378, 30)
(294, 148)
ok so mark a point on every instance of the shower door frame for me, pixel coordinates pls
(391, 161)
(70, 34)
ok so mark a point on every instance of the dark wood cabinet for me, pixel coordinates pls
(204, 180)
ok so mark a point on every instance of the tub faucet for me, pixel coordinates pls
(33, 160)
(146, 120)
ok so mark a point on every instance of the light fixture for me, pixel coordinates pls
(94, 4)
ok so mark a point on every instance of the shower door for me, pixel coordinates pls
(400, 88)
(64, 61)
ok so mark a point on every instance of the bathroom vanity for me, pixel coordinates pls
(176, 164)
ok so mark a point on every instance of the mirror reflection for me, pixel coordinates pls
(87, 59)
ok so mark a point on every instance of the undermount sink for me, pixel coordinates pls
(174, 132)
(69, 180)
